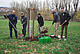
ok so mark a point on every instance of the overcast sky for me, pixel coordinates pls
(6, 3)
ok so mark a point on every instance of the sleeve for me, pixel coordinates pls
(25, 21)
(69, 17)
(42, 20)
(38, 20)
(60, 20)
(21, 20)
(6, 16)
(16, 20)
(55, 17)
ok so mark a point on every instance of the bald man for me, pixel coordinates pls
(13, 18)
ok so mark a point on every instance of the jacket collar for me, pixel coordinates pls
(54, 12)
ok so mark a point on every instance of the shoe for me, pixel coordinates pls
(56, 37)
(60, 39)
(65, 39)
(17, 38)
(10, 37)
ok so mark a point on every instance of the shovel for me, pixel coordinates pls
(16, 29)
(54, 31)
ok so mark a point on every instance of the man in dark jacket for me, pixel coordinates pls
(13, 18)
(23, 23)
(64, 17)
(56, 20)
(40, 22)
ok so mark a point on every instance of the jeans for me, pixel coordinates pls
(24, 30)
(10, 27)
(57, 28)
(62, 28)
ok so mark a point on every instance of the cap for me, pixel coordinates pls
(22, 12)
(52, 10)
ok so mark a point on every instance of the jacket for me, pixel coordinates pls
(64, 16)
(40, 21)
(56, 18)
(12, 18)
(24, 20)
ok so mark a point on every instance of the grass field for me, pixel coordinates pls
(18, 46)
(1, 16)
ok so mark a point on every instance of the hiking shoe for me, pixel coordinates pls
(56, 37)
(65, 39)
(16, 37)
(10, 37)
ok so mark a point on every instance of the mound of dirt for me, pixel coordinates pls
(35, 39)
(27, 38)
(45, 31)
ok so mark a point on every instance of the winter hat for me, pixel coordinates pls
(39, 14)
(52, 10)
(22, 12)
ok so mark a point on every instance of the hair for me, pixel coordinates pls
(62, 8)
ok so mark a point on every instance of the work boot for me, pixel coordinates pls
(65, 39)
(10, 37)
(55, 37)
(60, 39)
(16, 37)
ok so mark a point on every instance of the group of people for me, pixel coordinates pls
(13, 21)
(62, 19)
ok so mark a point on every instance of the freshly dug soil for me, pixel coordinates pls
(27, 38)
(36, 38)
(45, 31)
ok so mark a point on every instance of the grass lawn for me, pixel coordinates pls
(1, 16)
(18, 46)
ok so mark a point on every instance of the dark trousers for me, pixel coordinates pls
(11, 31)
(24, 30)
(62, 29)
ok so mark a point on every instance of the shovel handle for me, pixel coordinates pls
(61, 24)
(50, 27)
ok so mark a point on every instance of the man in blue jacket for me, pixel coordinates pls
(13, 18)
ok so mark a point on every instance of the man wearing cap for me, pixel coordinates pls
(56, 20)
(64, 17)
(13, 18)
(23, 23)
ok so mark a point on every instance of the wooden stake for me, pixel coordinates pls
(28, 21)
(33, 24)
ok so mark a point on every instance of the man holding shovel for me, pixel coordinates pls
(13, 19)
(56, 20)
(23, 23)
(64, 18)
(40, 22)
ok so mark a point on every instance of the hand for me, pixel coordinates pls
(4, 14)
(22, 24)
(60, 25)
(65, 20)
(47, 30)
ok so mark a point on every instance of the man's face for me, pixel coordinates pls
(39, 15)
(52, 12)
(62, 10)
(13, 12)
(22, 14)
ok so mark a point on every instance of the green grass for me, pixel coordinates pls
(18, 46)
(1, 16)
